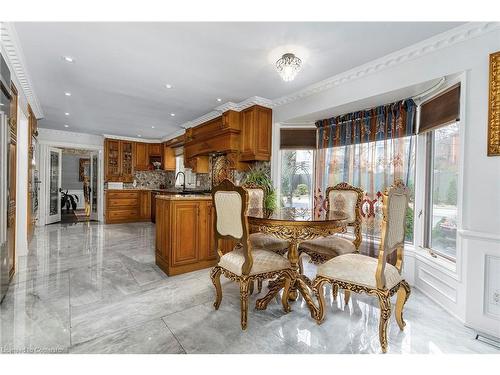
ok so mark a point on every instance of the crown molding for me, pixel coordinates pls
(218, 111)
(132, 139)
(444, 40)
(15, 58)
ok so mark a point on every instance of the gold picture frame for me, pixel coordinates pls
(494, 106)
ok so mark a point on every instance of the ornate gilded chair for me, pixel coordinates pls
(243, 264)
(341, 197)
(360, 273)
(256, 201)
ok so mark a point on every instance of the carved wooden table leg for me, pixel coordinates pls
(293, 257)
(274, 288)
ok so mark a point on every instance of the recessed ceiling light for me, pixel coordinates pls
(152, 127)
(139, 135)
(66, 125)
(1, 104)
(219, 99)
(66, 113)
(172, 114)
(68, 59)
(168, 86)
(67, 93)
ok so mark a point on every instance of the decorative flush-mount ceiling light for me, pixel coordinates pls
(68, 59)
(288, 66)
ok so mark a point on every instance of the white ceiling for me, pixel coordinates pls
(118, 80)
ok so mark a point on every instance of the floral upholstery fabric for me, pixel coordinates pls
(397, 214)
(358, 269)
(255, 198)
(330, 247)
(345, 201)
(267, 242)
(228, 205)
(263, 261)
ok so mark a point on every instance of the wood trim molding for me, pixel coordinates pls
(447, 39)
(9, 43)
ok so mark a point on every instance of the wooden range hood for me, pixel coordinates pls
(244, 137)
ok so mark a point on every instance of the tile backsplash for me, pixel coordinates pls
(153, 179)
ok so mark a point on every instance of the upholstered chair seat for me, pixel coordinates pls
(328, 247)
(264, 261)
(358, 269)
(265, 241)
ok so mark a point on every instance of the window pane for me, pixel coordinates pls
(296, 178)
(444, 190)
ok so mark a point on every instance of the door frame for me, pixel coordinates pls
(44, 160)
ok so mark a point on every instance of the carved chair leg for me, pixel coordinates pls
(259, 286)
(335, 291)
(319, 292)
(286, 290)
(347, 295)
(403, 294)
(244, 302)
(385, 314)
(215, 276)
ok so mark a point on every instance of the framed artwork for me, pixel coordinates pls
(84, 169)
(494, 106)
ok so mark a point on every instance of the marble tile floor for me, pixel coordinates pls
(94, 288)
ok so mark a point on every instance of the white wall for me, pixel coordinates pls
(22, 186)
(461, 289)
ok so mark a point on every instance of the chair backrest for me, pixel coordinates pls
(394, 206)
(348, 199)
(256, 196)
(230, 222)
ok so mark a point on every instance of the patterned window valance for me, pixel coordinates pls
(389, 121)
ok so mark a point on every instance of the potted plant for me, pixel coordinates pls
(68, 200)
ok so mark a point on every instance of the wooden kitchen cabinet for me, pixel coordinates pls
(125, 206)
(168, 158)
(141, 156)
(118, 160)
(154, 149)
(184, 234)
(198, 164)
(256, 132)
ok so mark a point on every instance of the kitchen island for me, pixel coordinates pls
(184, 233)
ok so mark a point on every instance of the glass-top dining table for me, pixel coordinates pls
(294, 225)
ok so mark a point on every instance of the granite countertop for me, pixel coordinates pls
(183, 197)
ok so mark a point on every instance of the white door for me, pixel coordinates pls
(94, 190)
(54, 186)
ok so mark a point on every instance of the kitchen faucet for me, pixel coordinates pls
(183, 180)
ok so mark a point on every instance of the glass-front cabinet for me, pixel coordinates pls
(119, 160)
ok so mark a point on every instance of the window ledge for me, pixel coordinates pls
(439, 263)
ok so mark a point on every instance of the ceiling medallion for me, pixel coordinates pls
(288, 66)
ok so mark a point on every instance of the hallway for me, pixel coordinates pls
(93, 288)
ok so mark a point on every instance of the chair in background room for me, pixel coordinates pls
(243, 264)
(364, 274)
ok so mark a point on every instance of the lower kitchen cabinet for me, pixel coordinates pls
(184, 234)
(126, 206)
